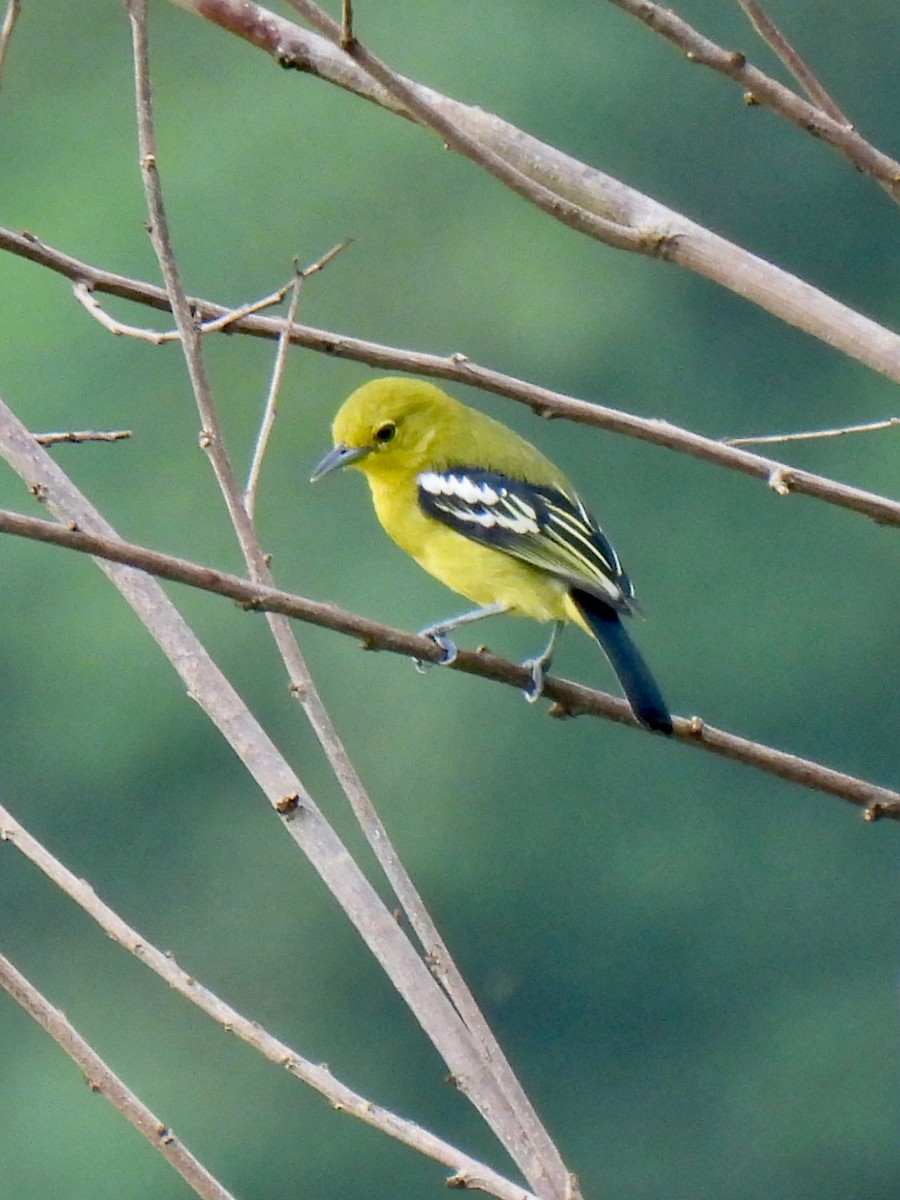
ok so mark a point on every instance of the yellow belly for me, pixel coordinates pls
(480, 573)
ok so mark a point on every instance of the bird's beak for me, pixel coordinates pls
(341, 456)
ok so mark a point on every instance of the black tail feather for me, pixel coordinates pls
(625, 659)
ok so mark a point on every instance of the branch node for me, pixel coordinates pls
(779, 481)
(696, 727)
(285, 805)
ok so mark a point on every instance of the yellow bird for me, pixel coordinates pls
(483, 511)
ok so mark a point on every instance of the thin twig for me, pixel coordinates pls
(775, 438)
(341, 1097)
(13, 8)
(570, 698)
(494, 1090)
(82, 435)
(523, 1134)
(270, 409)
(429, 115)
(292, 46)
(300, 816)
(460, 369)
(767, 91)
(346, 24)
(84, 294)
(233, 315)
(101, 1078)
(775, 39)
(211, 435)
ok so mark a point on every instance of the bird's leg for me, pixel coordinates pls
(540, 665)
(437, 632)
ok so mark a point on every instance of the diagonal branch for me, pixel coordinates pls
(104, 1080)
(13, 9)
(775, 39)
(535, 1149)
(457, 368)
(570, 699)
(659, 231)
(301, 818)
(342, 1098)
(768, 92)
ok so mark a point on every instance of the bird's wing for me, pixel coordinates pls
(540, 525)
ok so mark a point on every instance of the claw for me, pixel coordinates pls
(535, 689)
(539, 667)
(443, 643)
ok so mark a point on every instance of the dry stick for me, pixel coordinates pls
(570, 699)
(302, 687)
(300, 816)
(768, 92)
(502, 1102)
(83, 293)
(454, 136)
(10, 17)
(270, 408)
(103, 1079)
(347, 37)
(651, 228)
(88, 301)
(77, 436)
(539, 1155)
(458, 368)
(211, 435)
(775, 39)
(341, 1097)
(771, 439)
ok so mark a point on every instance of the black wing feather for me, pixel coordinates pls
(540, 525)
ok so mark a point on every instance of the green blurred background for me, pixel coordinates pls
(692, 966)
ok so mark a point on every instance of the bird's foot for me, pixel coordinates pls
(535, 689)
(443, 643)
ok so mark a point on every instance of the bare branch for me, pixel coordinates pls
(515, 1119)
(775, 39)
(628, 219)
(347, 37)
(211, 434)
(570, 699)
(85, 296)
(302, 819)
(341, 1097)
(229, 318)
(775, 438)
(270, 409)
(451, 133)
(13, 8)
(768, 92)
(102, 1079)
(460, 369)
(82, 435)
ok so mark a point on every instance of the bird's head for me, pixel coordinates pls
(388, 426)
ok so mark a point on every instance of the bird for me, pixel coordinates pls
(483, 511)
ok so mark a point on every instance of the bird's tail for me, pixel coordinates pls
(625, 659)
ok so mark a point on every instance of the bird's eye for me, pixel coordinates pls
(384, 433)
